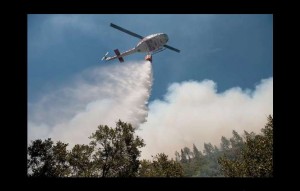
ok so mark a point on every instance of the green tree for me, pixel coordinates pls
(40, 158)
(161, 166)
(183, 157)
(80, 161)
(258, 154)
(187, 152)
(208, 149)
(113, 152)
(116, 150)
(177, 156)
(47, 160)
(225, 144)
(197, 154)
(255, 158)
(210, 166)
(197, 161)
(237, 143)
(60, 156)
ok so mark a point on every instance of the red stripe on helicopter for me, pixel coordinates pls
(118, 54)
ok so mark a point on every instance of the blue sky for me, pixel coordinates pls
(232, 50)
(222, 80)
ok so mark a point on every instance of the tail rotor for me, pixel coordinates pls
(105, 56)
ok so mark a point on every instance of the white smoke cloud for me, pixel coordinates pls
(193, 112)
(97, 96)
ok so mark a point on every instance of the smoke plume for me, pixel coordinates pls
(194, 113)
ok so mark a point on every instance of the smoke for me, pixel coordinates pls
(194, 113)
(101, 95)
(191, 112)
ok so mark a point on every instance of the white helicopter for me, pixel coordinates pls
(151, 44)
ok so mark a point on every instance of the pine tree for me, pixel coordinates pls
(254, 158)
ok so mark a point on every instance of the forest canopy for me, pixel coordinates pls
(115, 152)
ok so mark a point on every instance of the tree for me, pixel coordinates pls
(197, 161)
(183, 157)
(197, 154)
(258, 154)
(80, 161)
(46, 159)
(160, 167)
(113, 152)
(225, 144)
(232, 148)
(187, 152)
(177, 156)
(208, 149)
(60, 157)
(211, 166)
(236, 142)
(116, 150)
(255, 158)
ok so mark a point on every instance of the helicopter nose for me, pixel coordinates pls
(166, 37)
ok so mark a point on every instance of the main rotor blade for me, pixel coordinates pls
(126, 31)
(171, 48)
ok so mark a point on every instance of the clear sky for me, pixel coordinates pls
(224, 71)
